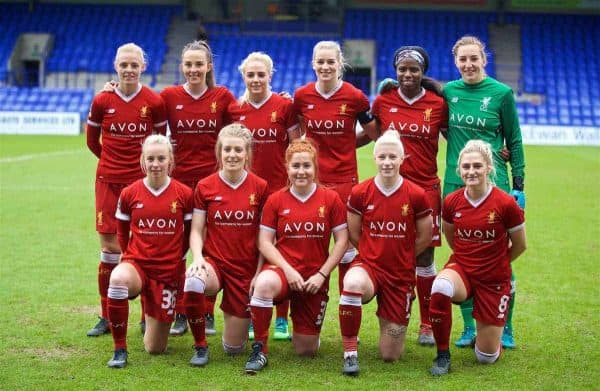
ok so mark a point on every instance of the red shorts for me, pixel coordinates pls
(394, 296)
(343, 189)
(434, 198)
(107, 196)
(490, 299)
(307, 311)
(159, 297)
(236, 290)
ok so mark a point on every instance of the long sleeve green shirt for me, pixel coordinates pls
(484, 111)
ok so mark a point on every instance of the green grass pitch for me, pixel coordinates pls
(48, 292)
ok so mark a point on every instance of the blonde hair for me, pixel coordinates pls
(161, 140)
(255, 56)
(236, 130)
(300, 145)
(331, 45)
(203, 46)
(130, 47)
(485, 150)
(470, 40)
(390, 137)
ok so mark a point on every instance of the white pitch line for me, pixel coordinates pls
(22, 158)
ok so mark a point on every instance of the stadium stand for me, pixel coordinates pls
(82, 46)
(561, 59)
(560, 54)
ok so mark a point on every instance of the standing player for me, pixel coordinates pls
(197, 110)
(329, 109)
(389, 220)
(227, 207)
(485, 228)
(273, 123)
(117, 124)
(418, 112)
(295, 230)
(156, 211)
(482, 108)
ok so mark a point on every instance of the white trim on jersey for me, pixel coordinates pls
(261, 103)
(303, 198)
(187, 216)
(199, 211)
(234, 186)
(94, 124)
(339, 227)
(387, 192)
(128, 98)
(186, 88)
(411, 101)
(267, 228)
(330, 93)
(122, 216)
(293, 127)
(159, 191)
(476, 203)
(516, 228)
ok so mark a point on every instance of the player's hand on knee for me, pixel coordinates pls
(197, 269)
(295, 280)
(314, 283)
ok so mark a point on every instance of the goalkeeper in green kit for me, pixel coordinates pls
(483, 108)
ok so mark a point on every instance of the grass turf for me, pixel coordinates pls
(49, 252)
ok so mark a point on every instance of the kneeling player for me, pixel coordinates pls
(389, 220)
(154, 215)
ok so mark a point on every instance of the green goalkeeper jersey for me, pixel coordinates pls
(484, 111)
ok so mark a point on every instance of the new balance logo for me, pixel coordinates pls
(242, 117)
(218, 198)
(178, 107)
(285, 212)
(310, 107)
(394, 110)
(370, 207)
(111, 111)
(139, 205)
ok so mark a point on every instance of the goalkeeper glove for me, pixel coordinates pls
(518, 191)
(386, 85)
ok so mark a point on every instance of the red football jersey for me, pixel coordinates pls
(269, 122)
(194, 123)
(303, 226)
(232, 219)
(330, 120)
(156, 224)
(481, 232)
(389, 231)
(418, 121)
(125, 122)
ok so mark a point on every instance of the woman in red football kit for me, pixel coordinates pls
(485, 228)
(389, 220)
(154, 216)
(227, 207)
(196, 110)
(274, 124)
(329, 109)
(296, 226)
(414, 107)
(117, 124)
